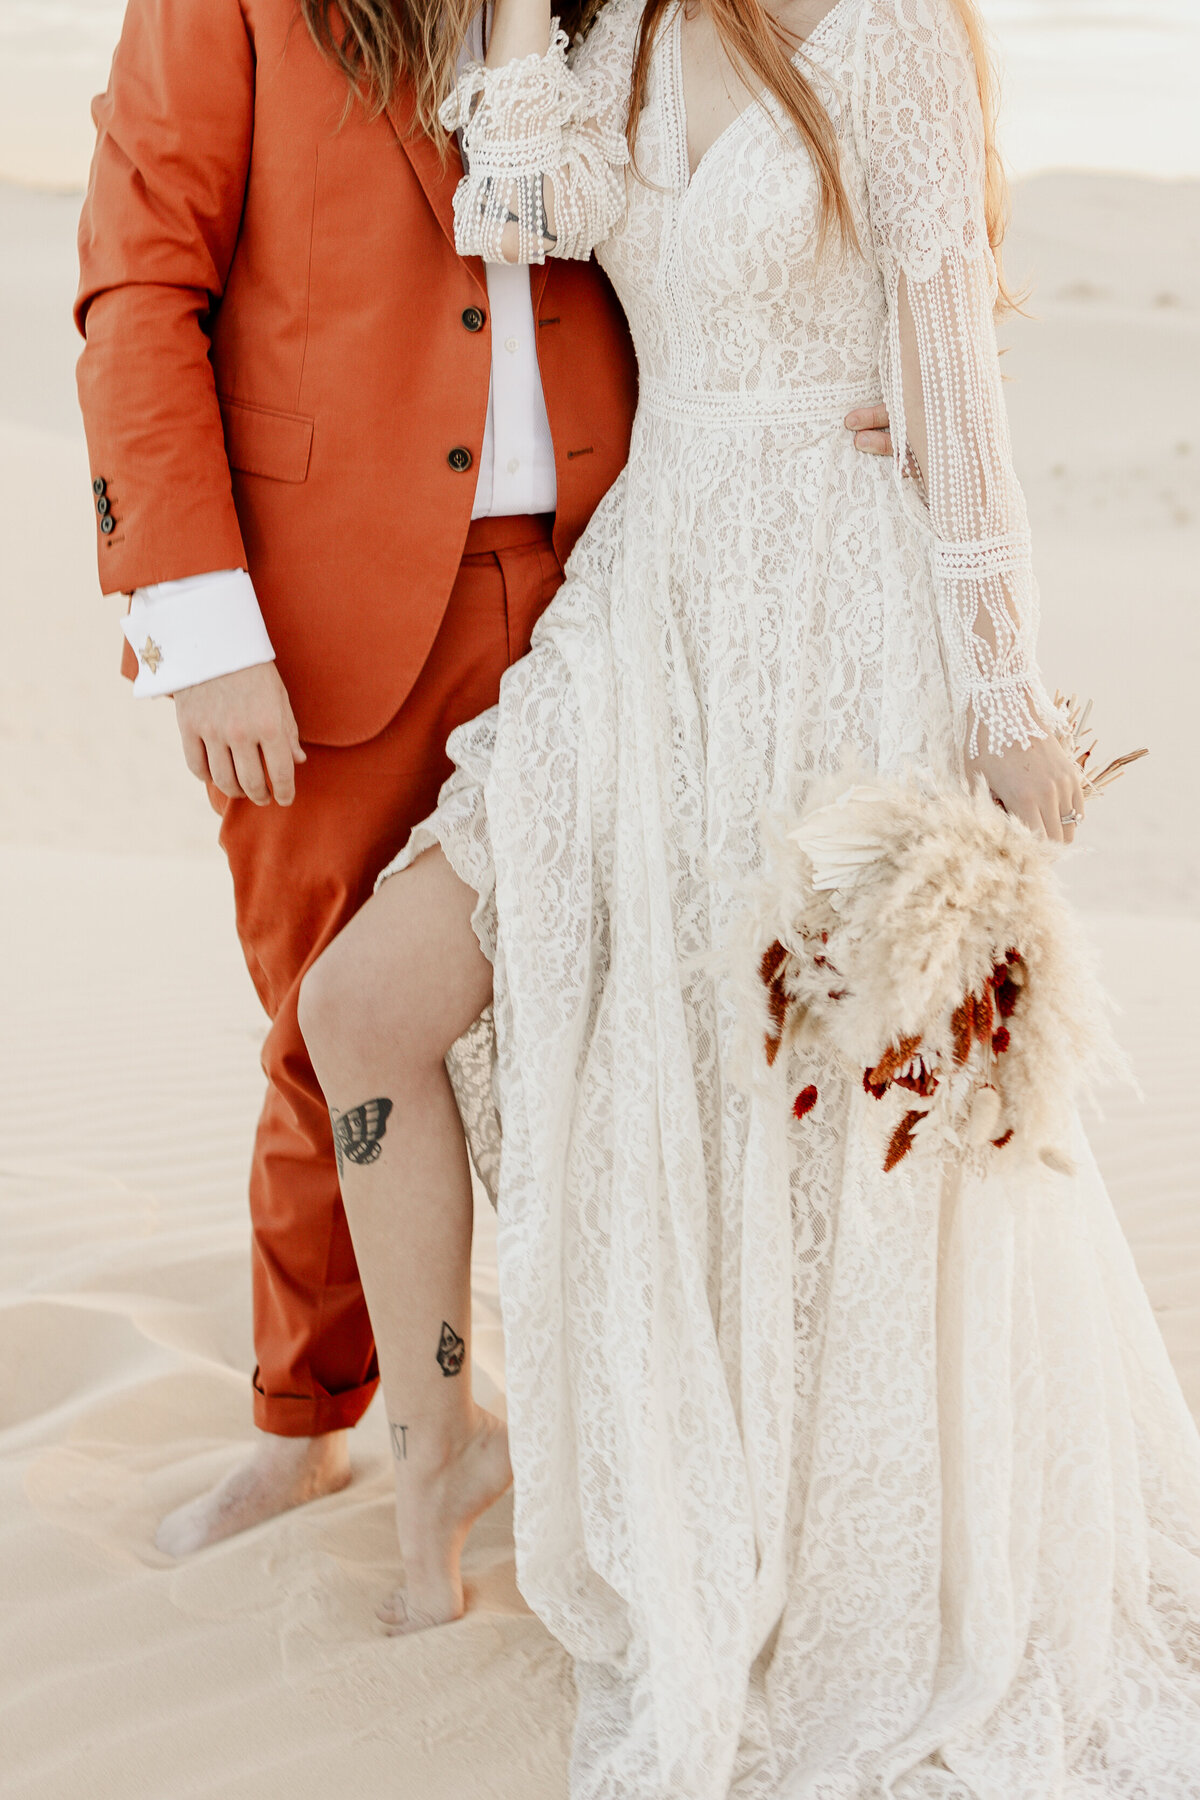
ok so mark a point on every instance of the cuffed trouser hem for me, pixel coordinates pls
(298, 1415)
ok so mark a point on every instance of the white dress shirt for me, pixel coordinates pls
(207, 625)
(516, 465)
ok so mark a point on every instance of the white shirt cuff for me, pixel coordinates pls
(193, 630)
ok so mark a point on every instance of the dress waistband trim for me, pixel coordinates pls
(720, 406)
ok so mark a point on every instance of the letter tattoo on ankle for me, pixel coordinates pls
(451, 1350)
(399, 1440)
(358, 1133)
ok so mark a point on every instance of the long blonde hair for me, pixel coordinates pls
(379, 43)
(760, 50)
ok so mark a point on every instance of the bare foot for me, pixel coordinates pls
(279, 1474)
(436, 1508)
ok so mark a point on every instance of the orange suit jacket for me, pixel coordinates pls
(286, 358)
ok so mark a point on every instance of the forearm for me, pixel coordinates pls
(543, 137)
(155, 437)
(519, 28)
(988, 613)
(926, 159)
(157, 238)
(956, 444)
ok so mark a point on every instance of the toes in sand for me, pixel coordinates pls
(279, 1474)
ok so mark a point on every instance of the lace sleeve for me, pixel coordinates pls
(544, 145)
(941, 371)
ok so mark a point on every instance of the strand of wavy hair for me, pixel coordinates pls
(765, 57)
(380, 45)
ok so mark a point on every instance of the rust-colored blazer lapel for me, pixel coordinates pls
(438, 179)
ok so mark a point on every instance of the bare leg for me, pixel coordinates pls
(379, 1011)
(280, 1473)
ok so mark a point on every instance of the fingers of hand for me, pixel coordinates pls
(1051, 821)
(1072, 803)
(241, 711)
(1025, 807)
(278, 753)
(1039, 808)
(221, 769)
(235, 765)
(867, 418)
(248, 763)
(1024, 797)
(194, 755)
(874, 443)
(299, 754)
(1040, 785)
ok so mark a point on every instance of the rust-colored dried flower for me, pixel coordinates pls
(901, 1140)
(771, 972)
(895, 1057)
(920, 1079)
(771, 962)
(1008, 978)
(962, 1025)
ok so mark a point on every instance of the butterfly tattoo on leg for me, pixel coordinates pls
(358, 1133)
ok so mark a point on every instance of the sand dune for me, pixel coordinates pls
(129, 1086)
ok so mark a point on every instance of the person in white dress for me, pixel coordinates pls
(837, 1484)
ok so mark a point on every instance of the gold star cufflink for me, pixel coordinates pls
(151, 655)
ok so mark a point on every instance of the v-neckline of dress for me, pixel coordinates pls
(687, 175)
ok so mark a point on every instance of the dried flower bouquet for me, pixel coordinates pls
(922, 937)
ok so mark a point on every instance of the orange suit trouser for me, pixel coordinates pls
(299, 874)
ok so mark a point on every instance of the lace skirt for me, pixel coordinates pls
(835, 1483)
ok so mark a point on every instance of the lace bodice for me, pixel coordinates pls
(731, 303)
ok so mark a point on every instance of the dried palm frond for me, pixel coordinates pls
(1079, 741)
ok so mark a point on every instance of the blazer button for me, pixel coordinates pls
(108, 524)
(459, 459)
(473, 318)
(99, 486)
(102, 505)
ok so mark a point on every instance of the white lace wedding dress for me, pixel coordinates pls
(836, 1484)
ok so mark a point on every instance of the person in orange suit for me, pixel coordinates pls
(338, 469)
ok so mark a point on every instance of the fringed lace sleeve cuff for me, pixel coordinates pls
(988, 604)
(538, 159)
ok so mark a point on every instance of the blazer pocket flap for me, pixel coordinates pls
(261, 442)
